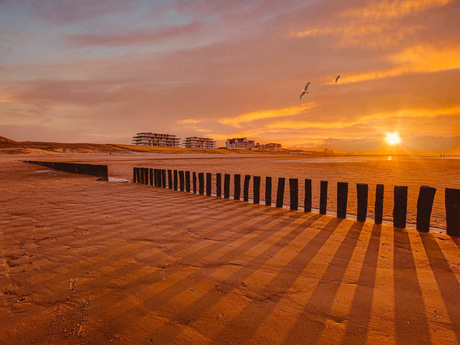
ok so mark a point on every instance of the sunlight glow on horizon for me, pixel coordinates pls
(393, 138)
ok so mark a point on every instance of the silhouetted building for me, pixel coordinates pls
(269, 147)
(240, 143)
(156, 139)
(199, 143)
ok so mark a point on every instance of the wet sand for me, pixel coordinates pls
(90, 262)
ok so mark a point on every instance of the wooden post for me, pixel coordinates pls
(424, 207)
(181, 181)
(187, 181)
(256, 189)
(208, 183)
(307, 200)
(323, 198)
(170, 179)
(134, 175)
(280, 192)
(294, 194)
(227, 186)
(268, 191)
(379, 193)
(194, 182)
(237, 187)
(247, 178)
(218, 185)
(153, 173)
(201, 183)
(400, 206)
(140, 175)
(342, 199)
(452, 202)
(175, 179)
(163, 178)
(362, 192)
(143, 175)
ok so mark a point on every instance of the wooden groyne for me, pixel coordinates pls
(424, 201)
(77, 168)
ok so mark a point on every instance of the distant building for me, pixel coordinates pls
(199, 143)
(269, 147)
(156, 139)
(240, 143)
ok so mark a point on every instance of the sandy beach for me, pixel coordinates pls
(93, 262)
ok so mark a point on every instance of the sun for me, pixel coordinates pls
(393, 138)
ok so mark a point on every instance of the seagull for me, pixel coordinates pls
(304, 91)
(337, 78)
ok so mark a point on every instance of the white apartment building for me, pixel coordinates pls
(199, 143)
(156, 139)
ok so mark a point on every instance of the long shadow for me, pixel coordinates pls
(324, 293)
(360, 311)
(205, 302)
(411, 326)
(447, 281)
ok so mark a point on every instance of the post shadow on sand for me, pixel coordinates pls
(325, 292)
(445, 278)
(411, 325)
(192, 313)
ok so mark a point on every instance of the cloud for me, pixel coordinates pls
(140, 37)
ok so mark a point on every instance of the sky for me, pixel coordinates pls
(99, 71)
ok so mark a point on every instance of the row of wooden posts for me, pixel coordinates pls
(180, 180)
(77, 168)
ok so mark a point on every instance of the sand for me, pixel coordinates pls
(92, 262)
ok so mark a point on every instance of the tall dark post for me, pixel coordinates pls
(379, 193)
(141, 175)
(201, 183)
(208, 183)
(268, 191)
(280, 192)
(342, 199)
(294, 194)
(194, 182)
(256, 189)
(247, 179)
(237, 187)
(452, 203)
(227, 186)
(323, 198)
(181, 181)
(307, 200)
(400, 206)
(187, 181)
(152, 174)
(424, 207)
(163, 178)
(170, 180)
(175, 179)
(362, 192)
(218, 185)
(134, 175)
(144, 175)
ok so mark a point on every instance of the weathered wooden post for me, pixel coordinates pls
(218, 185)
(194, 182)
(400, 206)
(323, 197)
(187, 181)
(362, 192)
(170, 180)
(237, 187)
(153, 174)
(294, 194)
(452, 202)
(163, 178)
(146, 178)
(134, 175)
(307, 200)
(227, 186)
(342, 199)
(256, 189)
(139, 170)
(175, 179)
(181, 181)
(379, 193)
(424, 207)
(142, 175)
(247, 178)
(268, 191)
(280, 192)
(208, 183)
(201, 183)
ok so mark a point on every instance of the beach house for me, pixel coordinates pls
(240, 143)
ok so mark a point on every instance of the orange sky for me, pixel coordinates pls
(99, 71)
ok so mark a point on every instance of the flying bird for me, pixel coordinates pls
(304, 91)
(337, 78)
